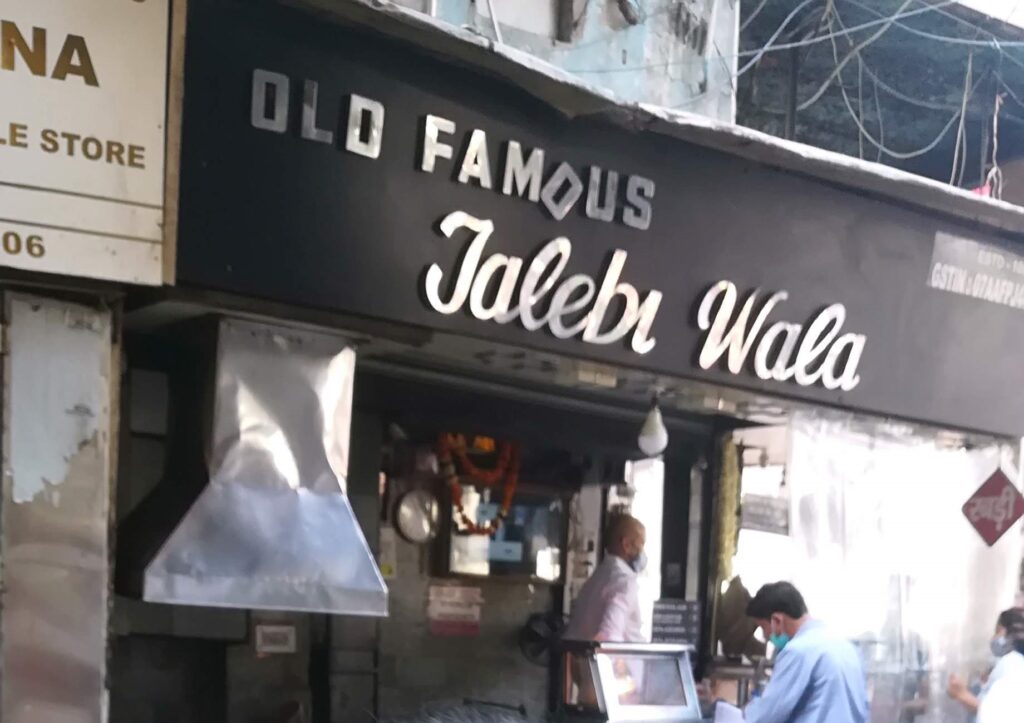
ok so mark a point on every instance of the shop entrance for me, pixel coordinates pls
(459, 604)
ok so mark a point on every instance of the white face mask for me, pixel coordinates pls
(639, 563)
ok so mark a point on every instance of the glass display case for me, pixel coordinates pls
(628, 682)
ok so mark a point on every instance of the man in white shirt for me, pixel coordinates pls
(1003, 701)
(608, 606)
(1010, 660)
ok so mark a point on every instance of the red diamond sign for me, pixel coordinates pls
(994, 507)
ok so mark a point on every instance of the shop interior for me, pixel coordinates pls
(472, 619)
(577, 463)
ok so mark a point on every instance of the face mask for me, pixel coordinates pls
(779, 641)
(1001, 646)
(639, 563)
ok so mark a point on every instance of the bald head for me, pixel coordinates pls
(625, 537)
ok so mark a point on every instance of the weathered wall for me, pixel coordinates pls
(418, 668)
(60, 396)
(681, 53)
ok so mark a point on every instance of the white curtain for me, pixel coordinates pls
(881, 550)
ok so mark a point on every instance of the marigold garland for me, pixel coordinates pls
(448, 450)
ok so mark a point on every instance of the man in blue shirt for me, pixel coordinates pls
(817, 675)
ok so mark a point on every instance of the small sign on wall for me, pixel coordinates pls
(454, 611)
(388, 557)
(276, 640)
(994, 508)
(677, 622)
(765, 514)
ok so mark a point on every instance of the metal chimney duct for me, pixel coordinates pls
(273, 529)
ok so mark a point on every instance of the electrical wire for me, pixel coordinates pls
(883, 20)
(849, 56)
(775, 36)
(753, 14)
(960, 134)
(886, 22)
(969, 24)
(770, 45)
(880, 144)
(860, 104)
(963, 165)
(881, 126)
(919, 102)
(994, 42)
(925, 103)
(902, 155)
(994, 179)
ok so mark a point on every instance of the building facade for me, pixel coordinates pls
(393, 233)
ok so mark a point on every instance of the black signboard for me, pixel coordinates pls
(335, 169)
(676, 621)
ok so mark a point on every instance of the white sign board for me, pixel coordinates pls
(84, 84)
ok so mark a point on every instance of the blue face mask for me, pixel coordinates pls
(779, 641)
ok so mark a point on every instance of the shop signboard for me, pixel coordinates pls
(82, 135)
(328, 169)
(994, 508)
(985, 272)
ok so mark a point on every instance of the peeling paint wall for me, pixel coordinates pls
(680, 53)
(54, 528)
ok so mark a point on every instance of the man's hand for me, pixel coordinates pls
(956, 687)
(707, 691)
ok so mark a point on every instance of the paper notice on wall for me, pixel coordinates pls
(388, 556)
(454, 610)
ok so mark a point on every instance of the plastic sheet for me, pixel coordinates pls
(881, 550)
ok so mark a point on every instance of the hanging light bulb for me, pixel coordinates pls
(653, 436)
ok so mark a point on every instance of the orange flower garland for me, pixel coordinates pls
(507, 466)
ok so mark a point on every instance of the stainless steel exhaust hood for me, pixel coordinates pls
(273, 528)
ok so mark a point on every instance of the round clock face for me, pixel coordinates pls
(417, 516)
